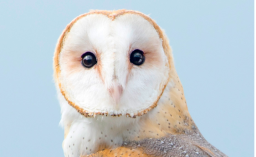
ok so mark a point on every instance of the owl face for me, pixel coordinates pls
(112, 66)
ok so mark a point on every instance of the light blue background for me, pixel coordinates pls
(212, 43)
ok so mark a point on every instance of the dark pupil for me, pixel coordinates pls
(137, 57)
(88, 60)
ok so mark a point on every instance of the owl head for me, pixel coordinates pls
(112, 63)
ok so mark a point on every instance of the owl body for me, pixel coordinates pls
(119, 91)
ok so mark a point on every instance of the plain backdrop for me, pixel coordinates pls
(212, 43)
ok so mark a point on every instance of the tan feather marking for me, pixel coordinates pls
(130, 65)
(151, 59)
(72, 61)
(115, 14)
(206, 150)
(98, 66)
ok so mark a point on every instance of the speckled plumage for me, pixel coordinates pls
(163, 127)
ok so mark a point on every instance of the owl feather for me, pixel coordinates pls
(119, 92)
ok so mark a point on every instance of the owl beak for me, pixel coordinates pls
(116, 91)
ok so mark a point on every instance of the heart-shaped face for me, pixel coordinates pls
(112, 63)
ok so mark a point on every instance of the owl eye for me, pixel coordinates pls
(88, 59)
(137, 57)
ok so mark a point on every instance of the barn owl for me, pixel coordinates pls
(119, 91)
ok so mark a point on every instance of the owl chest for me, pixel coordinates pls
(87, 138)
